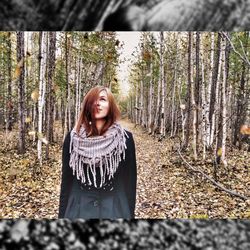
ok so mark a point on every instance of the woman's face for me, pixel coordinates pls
(102, 105)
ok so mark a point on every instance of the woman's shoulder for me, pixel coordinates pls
(129, 138)
(67, 137)
(128, 132)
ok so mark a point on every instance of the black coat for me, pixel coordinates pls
(115, 201)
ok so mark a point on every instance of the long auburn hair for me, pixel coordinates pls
(89, 107)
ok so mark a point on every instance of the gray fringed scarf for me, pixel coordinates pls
(104, 152)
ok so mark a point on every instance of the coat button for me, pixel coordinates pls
(96, 203)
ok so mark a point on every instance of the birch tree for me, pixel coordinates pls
(214, 90)
(150, 93)
(42, 90)
(162, 84)
(194, 108)
(224, 103)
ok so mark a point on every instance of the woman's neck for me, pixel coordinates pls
(99, 124)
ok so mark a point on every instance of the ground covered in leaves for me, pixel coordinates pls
(166, 188)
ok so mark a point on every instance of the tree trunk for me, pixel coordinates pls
(162, 84)
(42, 90)
(197, 83)
(141, 100)
(194, 108)
(188, 95)
(173, 113)
(78, 88)
(9, 87)
(21, 94)
(204, 105)
(150, 95)
(208, 94)
(213, 96)
(224, 104)
(50, 90)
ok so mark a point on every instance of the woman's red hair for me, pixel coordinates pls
(87, 114)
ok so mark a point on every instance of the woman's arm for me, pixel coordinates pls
(66, 177)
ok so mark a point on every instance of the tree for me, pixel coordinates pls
(50, 89)
(42, 91)
(9, 86)
(20, 72)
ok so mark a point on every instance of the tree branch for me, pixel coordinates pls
(212, 180)
(245, 59)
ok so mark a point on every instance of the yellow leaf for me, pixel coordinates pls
(32, 133)
(35, 95)
(17, 72)
(28, 120)
(18, 69)
(25, 162)
(219, 152)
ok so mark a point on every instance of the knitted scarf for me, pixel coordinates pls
(104, 152)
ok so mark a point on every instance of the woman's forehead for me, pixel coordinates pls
(103, 93)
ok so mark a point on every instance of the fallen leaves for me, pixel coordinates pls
(165, 188)
(24, 193)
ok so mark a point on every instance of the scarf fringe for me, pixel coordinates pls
(85, 168)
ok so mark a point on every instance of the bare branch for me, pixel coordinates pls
(212, 180)
(244, 58)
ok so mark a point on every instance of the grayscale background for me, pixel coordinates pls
(89, 14)
(122, 234)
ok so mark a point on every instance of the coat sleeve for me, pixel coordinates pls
(66, 177)
(131, 180)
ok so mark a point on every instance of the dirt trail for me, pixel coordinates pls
(166, 189)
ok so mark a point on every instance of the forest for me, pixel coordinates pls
(188, 108)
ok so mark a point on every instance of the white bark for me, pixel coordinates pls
(78, 88)
(150, 97)
(42, 89)
(136, 104)
(205, 108)
(173, 113)
(182, 108)
(208, 95)
(162, 130)
(142, 121)
(215, 114)
(157, 108)
(194, 108)
(224, 104)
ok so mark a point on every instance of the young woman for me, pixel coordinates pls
(99, 165)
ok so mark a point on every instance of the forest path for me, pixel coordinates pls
(166, 189)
